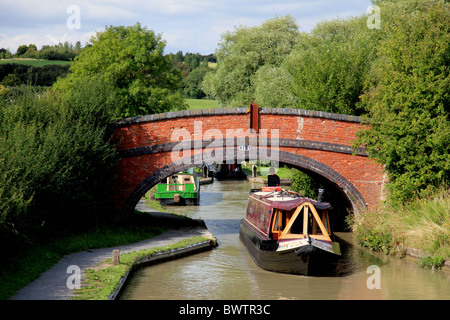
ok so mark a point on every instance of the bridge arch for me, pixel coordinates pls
(316, 142)
(354, 197)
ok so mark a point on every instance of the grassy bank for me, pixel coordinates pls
(424, 225)
(195, 104)
(102, 280)
(29, 262)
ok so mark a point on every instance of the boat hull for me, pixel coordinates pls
(307, 259)
(182, 202)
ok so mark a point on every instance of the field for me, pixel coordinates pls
(195, 104)
(36, 62)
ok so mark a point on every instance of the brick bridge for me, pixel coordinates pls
(155, 146)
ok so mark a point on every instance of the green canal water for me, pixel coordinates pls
(229, 273)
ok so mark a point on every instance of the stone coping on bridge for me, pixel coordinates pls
(222, 111)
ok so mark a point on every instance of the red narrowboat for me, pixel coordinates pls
(287, 233)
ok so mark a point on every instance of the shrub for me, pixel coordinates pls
(56, 160)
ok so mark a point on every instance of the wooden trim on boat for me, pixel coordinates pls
(320, 223)
(285, 234)
(291, 222)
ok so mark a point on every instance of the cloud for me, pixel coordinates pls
(187, 25)
(94, 13)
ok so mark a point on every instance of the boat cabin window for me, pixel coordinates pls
(284, 227)
(281, 220)
(178, 182)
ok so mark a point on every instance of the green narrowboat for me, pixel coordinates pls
(180, 189)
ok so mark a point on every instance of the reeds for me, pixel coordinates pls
(423, 224)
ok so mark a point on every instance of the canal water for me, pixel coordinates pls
(229, 273)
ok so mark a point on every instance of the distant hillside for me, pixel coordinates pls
(36, 62)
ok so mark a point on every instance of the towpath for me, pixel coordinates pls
(52, 284)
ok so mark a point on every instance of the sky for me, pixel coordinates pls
(186, 25)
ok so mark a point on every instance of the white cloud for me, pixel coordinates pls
(98, 12)
(187, 25)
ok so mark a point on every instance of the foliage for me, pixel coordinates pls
(304, 184)
(408, 99)
(192, 82)
(193, 60)
(423, 224)
(432, 262)
(5, 54)
(64, 52)
(271, 85)
(12, 74)
(132, 60)
(242, 53)
(328, 66)
(56, 160)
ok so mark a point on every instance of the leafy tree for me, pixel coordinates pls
(272, 85)
(408, 99)
(328, 67)
(5, 54)
(21, 50)
(57, 52)
(242, 53)
(304, 184)
(56, 160)
(31, 52)
(132, 60)
(192, 83)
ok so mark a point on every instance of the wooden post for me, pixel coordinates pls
(116, 256)
(254, 113)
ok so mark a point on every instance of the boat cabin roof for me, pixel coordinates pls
(289, 202)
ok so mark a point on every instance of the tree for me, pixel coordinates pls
(5, 54)
(408, 99)
(242, 53)
(272, 87)
(21, 50)
(192, 83)
(132, 60)
(328, 67)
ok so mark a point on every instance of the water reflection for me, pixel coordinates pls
(228, 272)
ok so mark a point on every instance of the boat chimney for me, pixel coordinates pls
(320, 196)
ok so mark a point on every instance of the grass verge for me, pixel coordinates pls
(26, 264)
(195, 104)
(102, 280)
(423, 224)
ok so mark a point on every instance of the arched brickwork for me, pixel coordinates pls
(315, 141)
(299, 161)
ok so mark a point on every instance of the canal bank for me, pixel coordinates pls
(56, 283)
